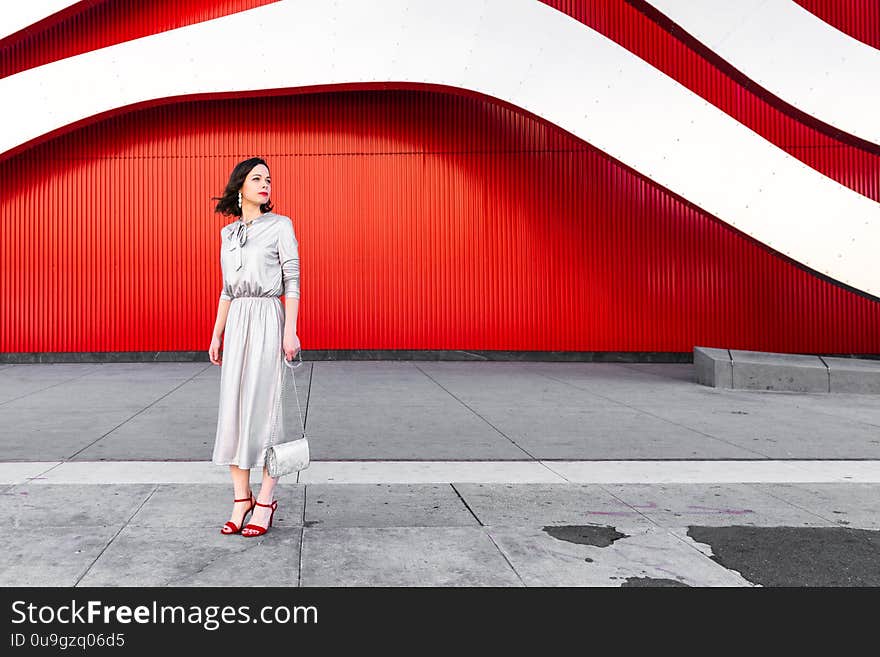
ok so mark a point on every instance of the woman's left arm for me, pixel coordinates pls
(288, 253)
(290, 342)
(291, 308)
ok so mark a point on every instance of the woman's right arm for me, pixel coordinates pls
(219, 328)
(220, 324)
(222, 313)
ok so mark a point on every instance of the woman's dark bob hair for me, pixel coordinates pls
(228, 203)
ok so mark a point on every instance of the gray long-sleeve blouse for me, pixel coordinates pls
(260, 260)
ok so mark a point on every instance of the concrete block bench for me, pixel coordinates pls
(759, 370)
(853, 374)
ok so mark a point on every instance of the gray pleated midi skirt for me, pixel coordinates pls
(251, 374)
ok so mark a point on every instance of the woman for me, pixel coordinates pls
(259, 258)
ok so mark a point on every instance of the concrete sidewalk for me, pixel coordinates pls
(444, 474)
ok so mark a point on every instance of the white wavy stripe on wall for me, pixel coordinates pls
(793, 54)
(15, 15)
(520, 51)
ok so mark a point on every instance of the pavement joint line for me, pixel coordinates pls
(572, 472)
(42, 475)
(658, 417)
(466, 505)
(694, 544)
(504, 555)
(754, 487)
(54, 385)
(144, 409)
(302, 536)
(460, 401)
(558, 474)
(113, 538)
(648, 518)
(790, 503)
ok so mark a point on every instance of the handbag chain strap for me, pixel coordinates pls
(288, 366)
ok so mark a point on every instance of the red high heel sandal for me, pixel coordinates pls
(229, 527)
(259, 531)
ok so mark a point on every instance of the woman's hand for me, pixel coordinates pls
(290, 345)
(214, 351)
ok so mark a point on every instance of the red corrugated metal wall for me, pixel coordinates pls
(840, 157)
(93, 24)
(426, 221)
(847, 161)
(858, 18)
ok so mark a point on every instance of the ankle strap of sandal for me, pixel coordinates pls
(245, 499)
(269, 506)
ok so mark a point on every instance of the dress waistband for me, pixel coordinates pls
(255, 296)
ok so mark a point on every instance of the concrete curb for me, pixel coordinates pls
(758, 370)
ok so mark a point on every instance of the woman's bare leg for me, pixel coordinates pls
(267, 492)
(241, 485)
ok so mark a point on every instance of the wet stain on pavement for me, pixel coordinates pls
(652, 581)
(596, 535)
(796, 556)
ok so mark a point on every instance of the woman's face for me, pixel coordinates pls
(257, 186)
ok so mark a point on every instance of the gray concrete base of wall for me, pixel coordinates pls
(759, 370)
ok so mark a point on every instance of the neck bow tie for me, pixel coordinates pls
(236, 239)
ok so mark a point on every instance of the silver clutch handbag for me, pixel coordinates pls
(292, 456)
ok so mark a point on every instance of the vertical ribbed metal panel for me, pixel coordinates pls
(105, 23)
(850, 164)
(858, 18)
(425, 220)
(113, 21)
